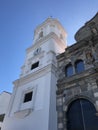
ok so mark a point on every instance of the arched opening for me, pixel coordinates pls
(69, 70)
(79, 66)
(81, 115)
(41, 34)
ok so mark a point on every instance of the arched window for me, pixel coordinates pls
(69, 70)
(2, 117)
(35, 65)
(41, 34)
(79, 66)
(81, 115)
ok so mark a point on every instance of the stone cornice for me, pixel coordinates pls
(87, 42)
(77, 77)
(61, 57)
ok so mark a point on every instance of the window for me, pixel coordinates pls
(79, 66)
(2, 117)
(28, 97)
(69, 70)
(41, 34)
(61, 36)
(35, 65)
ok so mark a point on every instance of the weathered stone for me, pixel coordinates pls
(79, 85)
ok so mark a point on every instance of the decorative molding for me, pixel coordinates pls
(46, 38)
(51, 21)
(22, 113)
(34, 75)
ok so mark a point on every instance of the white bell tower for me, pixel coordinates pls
(33, 101)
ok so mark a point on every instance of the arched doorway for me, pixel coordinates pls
(81, 115)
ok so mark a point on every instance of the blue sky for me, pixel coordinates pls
(19, 18)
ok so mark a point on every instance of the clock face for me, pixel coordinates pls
(37, 51)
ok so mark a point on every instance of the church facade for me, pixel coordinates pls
(58, 85)
(77, 86)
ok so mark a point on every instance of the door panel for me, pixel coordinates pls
(74, 116)
(81, 116)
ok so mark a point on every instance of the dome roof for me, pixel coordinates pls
(88, 29)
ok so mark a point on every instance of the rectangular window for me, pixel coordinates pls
(35, 65)
(28, 97)
(2, 117)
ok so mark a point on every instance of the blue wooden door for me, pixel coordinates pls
(81, 115)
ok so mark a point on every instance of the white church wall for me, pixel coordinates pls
(39, 110)
(4, 102)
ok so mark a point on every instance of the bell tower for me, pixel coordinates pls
(33, 101)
